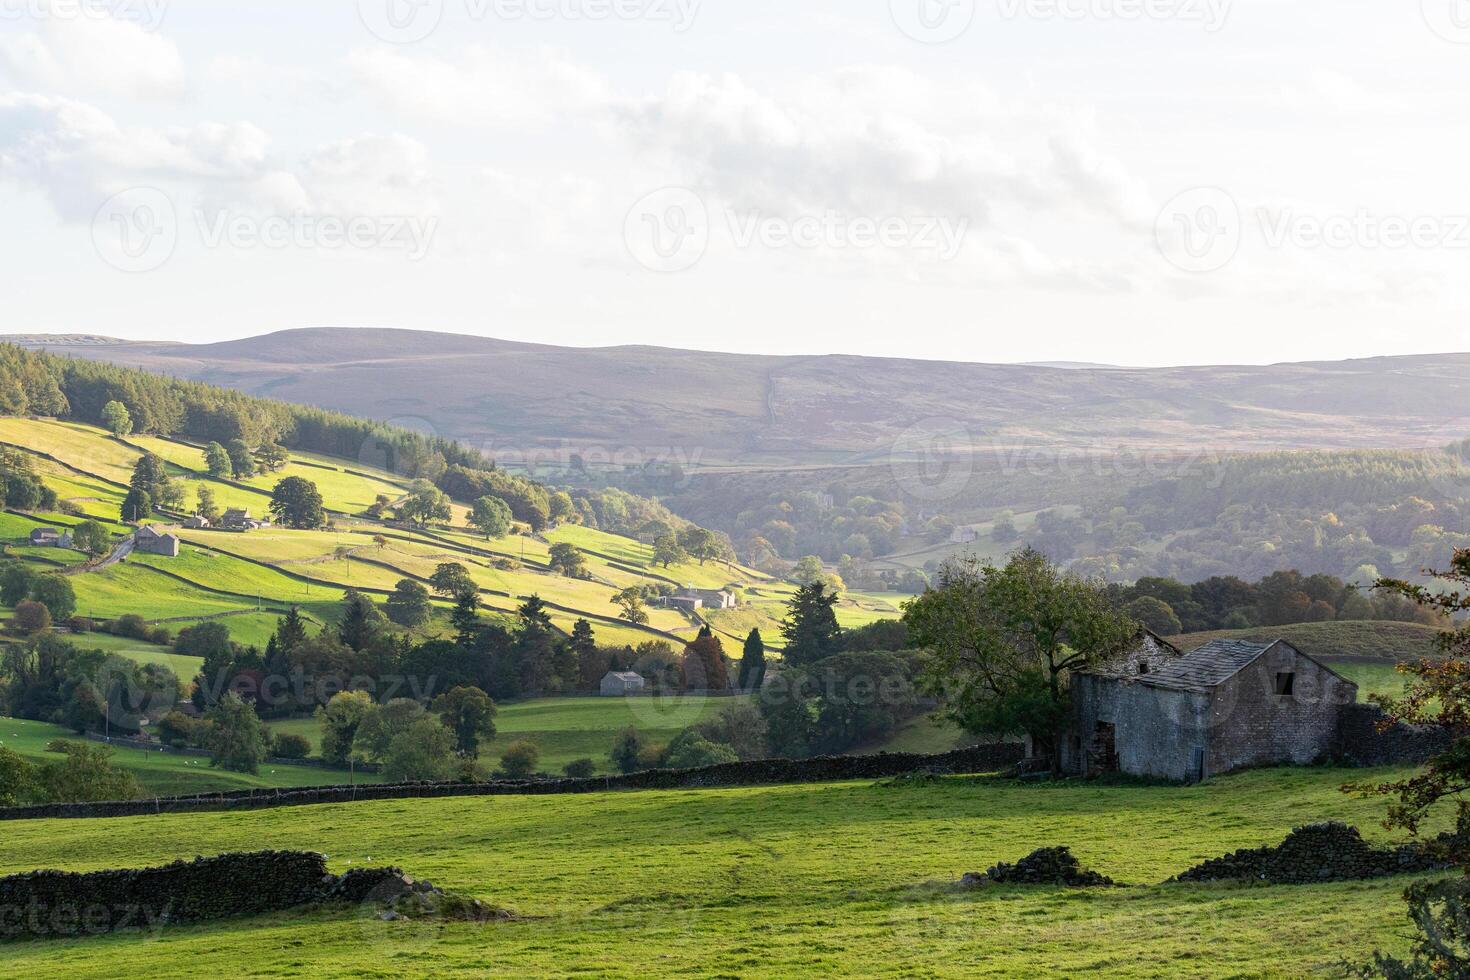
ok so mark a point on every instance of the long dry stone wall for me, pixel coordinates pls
(980, 758)
(56, 904)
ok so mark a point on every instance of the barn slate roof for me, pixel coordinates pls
(1209, 666)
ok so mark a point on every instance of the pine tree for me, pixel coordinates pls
(534, 615)
(704, 664)
(361, 621)
(466, 618)
(290, 631)
(810, 628)
(137, 507)
(753, 662)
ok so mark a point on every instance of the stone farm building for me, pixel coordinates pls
(238, 519)
(691, 598)
(619, 683)
(1231, 704)
(152, 541)
(51, 537)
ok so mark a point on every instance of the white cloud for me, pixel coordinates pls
(480, 86)
(91, 55)
(80, 155)
(879, 141)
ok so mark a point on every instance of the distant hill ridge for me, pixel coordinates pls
(747, 409)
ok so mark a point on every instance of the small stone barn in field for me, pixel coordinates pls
(619, 683)
(152, 541)
(1231, 704)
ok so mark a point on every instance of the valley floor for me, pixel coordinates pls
(783, 881)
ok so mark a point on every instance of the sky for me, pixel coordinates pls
(1141, 182)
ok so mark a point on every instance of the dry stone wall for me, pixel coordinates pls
(980, 758)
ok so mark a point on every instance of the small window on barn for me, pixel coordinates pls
(1143, 666)
(1285, 685)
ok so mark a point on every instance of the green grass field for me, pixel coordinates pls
(166, 774)
(567, 729)
(836, 879)
(234, 574)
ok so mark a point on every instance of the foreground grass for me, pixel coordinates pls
(785, 881)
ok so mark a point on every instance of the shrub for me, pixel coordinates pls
(422, 752)
(580, 769)
(31, 617)
(85, 775)
(291, 747)
(520, 759)
(176, 729)
(16, 776)
(690, 751)
(131, 626)
(626, 750)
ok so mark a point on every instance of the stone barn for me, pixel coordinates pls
(1231, 704)
(620, 683)
(151, 541)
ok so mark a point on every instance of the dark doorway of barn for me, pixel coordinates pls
(1105, 748)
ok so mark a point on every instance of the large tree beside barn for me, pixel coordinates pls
(1002, 643)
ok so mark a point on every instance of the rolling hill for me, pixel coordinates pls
(746, 411)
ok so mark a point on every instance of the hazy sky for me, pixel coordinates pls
(1129, 181)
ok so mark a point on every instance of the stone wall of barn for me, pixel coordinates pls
(1253, 724)
(1158, 733)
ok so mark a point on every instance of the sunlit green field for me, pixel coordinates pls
(235, 573)
(567, 729)
(167, 774)
(839, 879)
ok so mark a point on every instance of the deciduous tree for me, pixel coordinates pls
(469, 713)
(1003, 643)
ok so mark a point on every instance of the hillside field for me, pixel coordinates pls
(164, 773)
(246, 580)
(790, 880)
